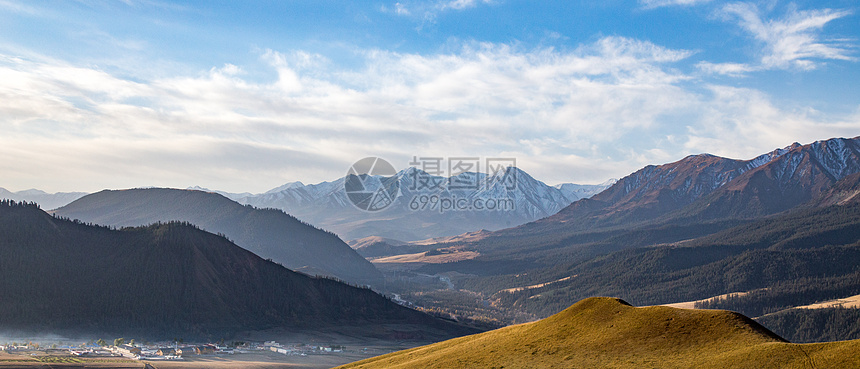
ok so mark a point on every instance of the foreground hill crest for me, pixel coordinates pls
(608, 333)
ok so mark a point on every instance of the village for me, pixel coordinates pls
(161, 350)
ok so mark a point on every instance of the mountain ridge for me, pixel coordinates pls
(45, 200)
(698, 188)
(270, 233)
(657, 189)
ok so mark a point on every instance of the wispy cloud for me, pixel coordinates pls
(742, 122)
(728, 69)
(794, 41)
(460, 4)
(428, 10)
(170, 6)
(651, 4)
(18, 7)
(401, 9)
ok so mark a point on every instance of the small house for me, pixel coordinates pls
(127, 350)
(166, 352)
(204, 350)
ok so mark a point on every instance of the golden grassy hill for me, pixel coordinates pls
(609, 333)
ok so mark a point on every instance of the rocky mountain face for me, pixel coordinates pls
(710, 187)
(269, 233)
(844, 192)
(798, 175)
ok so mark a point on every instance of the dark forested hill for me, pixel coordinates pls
(165, 280)
(270, 233)
(815, 325)
(800, 257)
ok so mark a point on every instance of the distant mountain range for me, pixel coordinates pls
(269, 233)
(705, 188)
(703, 193)
(170, 280)
(609, 333)
(327, 205)
(687, 230)
(45, 200)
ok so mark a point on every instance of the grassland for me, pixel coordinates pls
(608, 333)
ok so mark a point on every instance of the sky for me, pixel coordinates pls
(244, 96)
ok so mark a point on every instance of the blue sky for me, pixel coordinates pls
(248, 95)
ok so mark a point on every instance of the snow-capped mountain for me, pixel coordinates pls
(296, 184)
(579, 191)
(529, 197)
(795, 176)
(231, 196)
(711, 187)
(424, 206)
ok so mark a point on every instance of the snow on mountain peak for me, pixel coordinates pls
(287, 186)
(327, 204)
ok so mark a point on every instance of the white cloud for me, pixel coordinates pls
(729, 69)
(602, 110)
(18, 8)
(794, 41)
(400, 9)
(460, 4)
(650, 4)
(742, 123)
